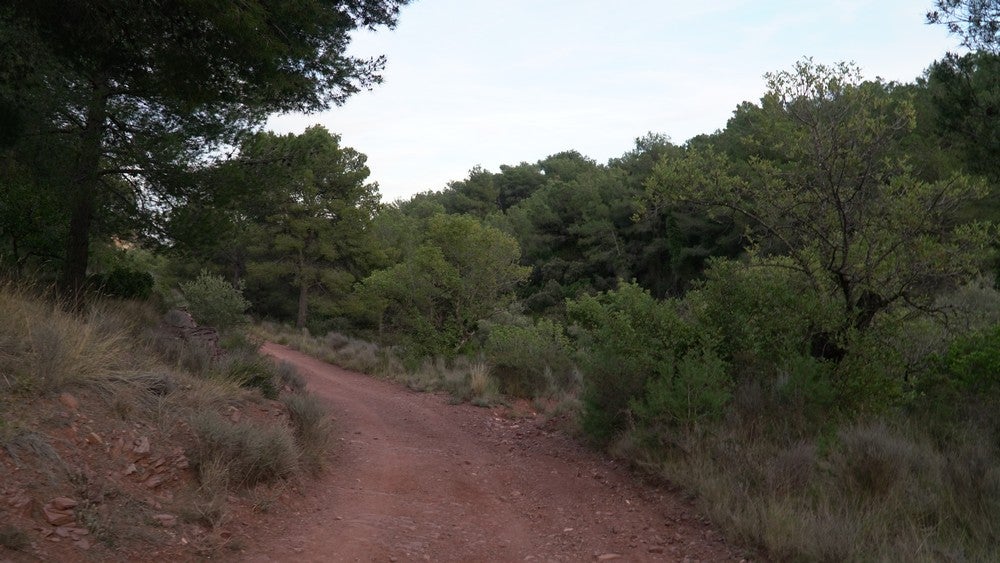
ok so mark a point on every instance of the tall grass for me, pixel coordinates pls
(43, 348)
(869, 492)
(313, 428)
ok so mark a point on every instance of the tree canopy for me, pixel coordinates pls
(144, 91)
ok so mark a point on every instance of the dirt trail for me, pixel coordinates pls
(418, 479)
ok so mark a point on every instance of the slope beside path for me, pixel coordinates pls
(415, 478)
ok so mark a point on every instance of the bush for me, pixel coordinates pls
(530, 360)
(288, 375)
(249, 369)
(252, 453)
(44, 348)
(124, 283)
(625, 338)
(972, 363)
(215, 302)
(313, 428)
(696, 391)
(762, 311)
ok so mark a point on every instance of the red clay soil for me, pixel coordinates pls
(415, 478)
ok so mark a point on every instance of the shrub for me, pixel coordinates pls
(483, 387)
(290, 376)
(124, 283)
(215, 302)
(313, 428)
(696, 391)
(763, 312)
(252, 453)
(972, 363)
(249, 369)
(530, 360)
(624, 337)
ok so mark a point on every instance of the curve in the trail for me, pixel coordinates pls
(417, 479)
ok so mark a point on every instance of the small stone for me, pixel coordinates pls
(141, 446)
(58, 517)
(69, 401)
(63, 503)
(182, 463)
(116, 449)
(63, 531)
(94, 438)
(609, 556)
(130, 469)
(155, 481)
(82, 543)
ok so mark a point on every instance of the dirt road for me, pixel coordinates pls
(418, 479)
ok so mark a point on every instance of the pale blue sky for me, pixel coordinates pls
(491, 82)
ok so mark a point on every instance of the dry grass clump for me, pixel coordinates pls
(44, 348)
(250, 453)
(484, 388)
(872, 492)
(290, 377)
(313, 428)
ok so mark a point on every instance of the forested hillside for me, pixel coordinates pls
(795, 317)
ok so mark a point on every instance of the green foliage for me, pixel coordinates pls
(824, 184)
(977, 22)
(763, 311)
(249, 369)
(625, 338)
(144, 84)
(972, 363)
(461, 273)
(530, 360)
(124, 283)
(215, 302)
(697, 391)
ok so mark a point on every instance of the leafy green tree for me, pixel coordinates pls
(828, 188)
(322, 207)
(462, 272)
(147, 88)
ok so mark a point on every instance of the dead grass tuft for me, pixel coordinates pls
(313, 429)
(250, 453)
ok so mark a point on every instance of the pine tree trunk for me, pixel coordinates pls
(82, 202)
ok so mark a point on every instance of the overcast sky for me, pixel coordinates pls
(491, 82)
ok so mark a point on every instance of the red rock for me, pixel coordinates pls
(62, 503)
(141, 446)
(58, 517)
(155, 481)
(117, 448)
(82, 543)
(94, 438)
(69, 401)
